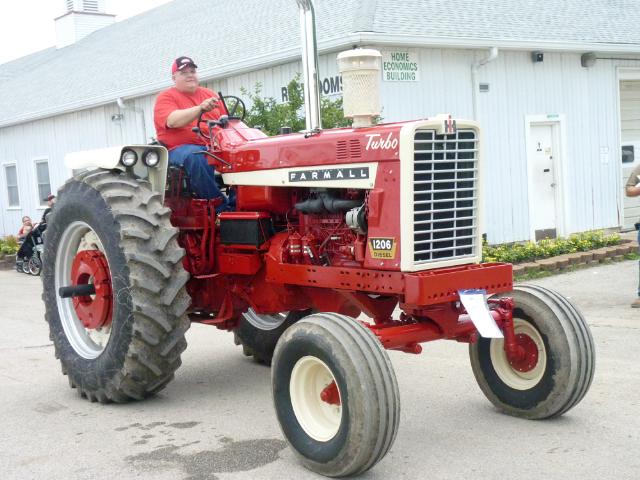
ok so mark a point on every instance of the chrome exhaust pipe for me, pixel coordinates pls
(310, 65)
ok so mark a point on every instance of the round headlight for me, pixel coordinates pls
(128, 158)
(150, 158)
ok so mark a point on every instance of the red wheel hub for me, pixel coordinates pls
(528, 354)
(94, 311)
(330, 394)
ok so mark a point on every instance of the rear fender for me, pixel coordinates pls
(109, 159)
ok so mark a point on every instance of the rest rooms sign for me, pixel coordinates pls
(400, 66)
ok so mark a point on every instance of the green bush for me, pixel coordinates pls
(9, 245)
(524, 252)
(269, 115)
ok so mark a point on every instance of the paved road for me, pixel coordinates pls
(216, 419)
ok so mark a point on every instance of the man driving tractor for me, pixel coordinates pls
(176, 112)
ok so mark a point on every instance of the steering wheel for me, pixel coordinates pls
(199, 130)
(233, 106)
(236, 104)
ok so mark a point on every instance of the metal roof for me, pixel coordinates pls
(132, 57)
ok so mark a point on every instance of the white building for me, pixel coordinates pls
(555, 85)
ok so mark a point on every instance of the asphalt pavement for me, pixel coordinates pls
(216, 419)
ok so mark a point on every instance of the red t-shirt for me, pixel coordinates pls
(173, 99)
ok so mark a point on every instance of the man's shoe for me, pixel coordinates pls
(636, 303)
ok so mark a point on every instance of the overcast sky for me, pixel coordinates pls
(26, 26)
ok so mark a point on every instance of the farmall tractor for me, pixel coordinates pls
(343, 244)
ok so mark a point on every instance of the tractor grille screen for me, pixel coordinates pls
(445, 181)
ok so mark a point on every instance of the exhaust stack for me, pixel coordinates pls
(310, 64)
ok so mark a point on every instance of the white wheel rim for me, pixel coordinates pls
(514, 378)
(88, 343)
(319, 419)
(265, 322)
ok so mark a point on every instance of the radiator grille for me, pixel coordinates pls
(445, 182)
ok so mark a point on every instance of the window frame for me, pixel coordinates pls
(5, 165)
(41, 205)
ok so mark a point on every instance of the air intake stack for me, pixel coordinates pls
(360, 69)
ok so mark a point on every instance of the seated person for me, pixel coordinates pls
(175, 114)
(26, 227)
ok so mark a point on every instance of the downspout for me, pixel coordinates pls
(475, 84)
(124, 106)
(310, 65)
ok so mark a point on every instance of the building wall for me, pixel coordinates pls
(587, 98)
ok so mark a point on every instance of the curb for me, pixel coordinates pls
(8, 262)
(561, 262)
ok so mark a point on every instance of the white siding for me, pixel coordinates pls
(587, 97)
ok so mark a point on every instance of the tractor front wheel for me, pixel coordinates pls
(557, 367)
(114, 287)
(335, 394)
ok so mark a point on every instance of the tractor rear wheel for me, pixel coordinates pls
(258, 333)
(558, 368)
(335, 394)
(110, 242)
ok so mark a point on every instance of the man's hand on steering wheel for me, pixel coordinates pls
(208, 104)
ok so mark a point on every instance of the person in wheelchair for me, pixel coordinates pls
(27, 226)
(175, 113)
(29, 253)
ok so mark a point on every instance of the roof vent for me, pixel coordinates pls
(81, 18)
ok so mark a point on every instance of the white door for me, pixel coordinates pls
(630, 154)
(542, 182)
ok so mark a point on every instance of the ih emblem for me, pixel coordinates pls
(383, 248)
(450, 127)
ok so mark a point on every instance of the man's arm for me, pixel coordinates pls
(182, 118)
(632, 191)
(632, 187)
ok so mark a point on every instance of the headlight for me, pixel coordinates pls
(128, 158)
(150, 158)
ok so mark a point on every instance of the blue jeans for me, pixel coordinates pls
(201, 174)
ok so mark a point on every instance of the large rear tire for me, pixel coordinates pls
(258, 334)
(335, 394)
(560, 369)
(124, 342)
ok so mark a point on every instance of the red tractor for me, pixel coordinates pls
(330, 227)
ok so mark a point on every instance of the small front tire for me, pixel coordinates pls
(560, 341)
(335, 394)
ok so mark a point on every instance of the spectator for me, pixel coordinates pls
(51, 199)
(26, 227)
(633, 190)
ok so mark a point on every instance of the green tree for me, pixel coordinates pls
(269, 115)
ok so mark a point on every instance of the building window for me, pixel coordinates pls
(69, 5)
(628, 154)
(42, 176)
(11, 174)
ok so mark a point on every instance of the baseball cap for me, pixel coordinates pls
(182, 62)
